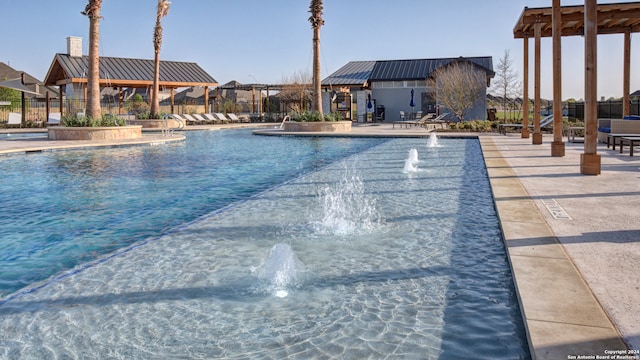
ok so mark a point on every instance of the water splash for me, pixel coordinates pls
(433, 141)
(280, 269)
(347, 209)
(411, 164)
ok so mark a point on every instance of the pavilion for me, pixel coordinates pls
(69, 72)
(588, 21)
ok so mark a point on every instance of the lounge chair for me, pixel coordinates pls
(212, 118)
(14, 119)
(222, 117)
(54, 119)
(178, 118)
(502, 128)
(190, 119)
(429, 120)
(235, 118)
(200, 119)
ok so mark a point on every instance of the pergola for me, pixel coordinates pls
(128, 73)
(588, 21)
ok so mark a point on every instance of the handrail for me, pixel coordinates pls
(168, 131)
(286, 117)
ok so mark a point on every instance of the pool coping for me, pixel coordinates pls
(562, 316)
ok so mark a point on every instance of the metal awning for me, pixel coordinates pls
(615, 18)
(16, 84)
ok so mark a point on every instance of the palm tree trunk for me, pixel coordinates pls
(93, 81)
(163, 10)
(317, 81)
(316, 22)
(155, 103)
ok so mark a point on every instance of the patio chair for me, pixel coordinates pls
(234, 118)
(190, 120)
(212, 118)
(14, 119)
(54, 119)
(502, 128)
(403, 117)
(200, 119)
(222, 117)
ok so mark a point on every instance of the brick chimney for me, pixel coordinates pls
(74, 46)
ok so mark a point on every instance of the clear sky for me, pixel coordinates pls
(253, 41)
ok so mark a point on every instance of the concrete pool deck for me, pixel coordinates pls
(573, 240)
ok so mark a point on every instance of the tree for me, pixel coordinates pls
(316, 22)
(506, 81)
(92, 11)
(163, 10)
(296, 93)
(459, 86)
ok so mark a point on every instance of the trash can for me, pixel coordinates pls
(491, 114)
(380, 113)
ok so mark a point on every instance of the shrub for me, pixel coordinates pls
(307, 116)
(474, 126)
(85, 121)
(335, 116)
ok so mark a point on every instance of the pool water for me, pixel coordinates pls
(238, 246)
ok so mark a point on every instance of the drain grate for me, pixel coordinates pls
(556, 210)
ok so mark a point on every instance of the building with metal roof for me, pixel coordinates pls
(388, 83)
(69, 72)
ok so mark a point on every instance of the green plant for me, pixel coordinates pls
(474, 126)
(307, 116)
(335, 116)
(85, 121)
(138, 106)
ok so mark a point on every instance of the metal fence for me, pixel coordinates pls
(36, 109)
(609, 109)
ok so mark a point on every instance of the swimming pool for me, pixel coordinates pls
(379, 262)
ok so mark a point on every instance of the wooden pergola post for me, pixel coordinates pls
(590, 159)
(206, 99)
(172, 95)
(557, 146)
(537, 135)
(626, 77)
(524, 134)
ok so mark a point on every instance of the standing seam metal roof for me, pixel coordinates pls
(360, 72)
(112, 68)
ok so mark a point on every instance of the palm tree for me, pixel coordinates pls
(163, 10)
(92, 11)
(316, 22)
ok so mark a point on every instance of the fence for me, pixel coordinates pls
(609, 109)
(36, 110)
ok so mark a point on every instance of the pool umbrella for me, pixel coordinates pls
(412, 103)
(369, 104)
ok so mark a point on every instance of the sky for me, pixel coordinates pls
(252, 41)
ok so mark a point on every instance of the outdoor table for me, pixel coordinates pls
(613, 137)
(632, 140)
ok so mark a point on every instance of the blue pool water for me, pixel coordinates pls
(230, 245)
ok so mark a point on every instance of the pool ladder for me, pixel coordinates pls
(168, 131)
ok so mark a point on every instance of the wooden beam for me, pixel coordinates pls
(590, 160)
(557, 147)
(537, 135)
(626, 74)
(206, 99)
(525, 91)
